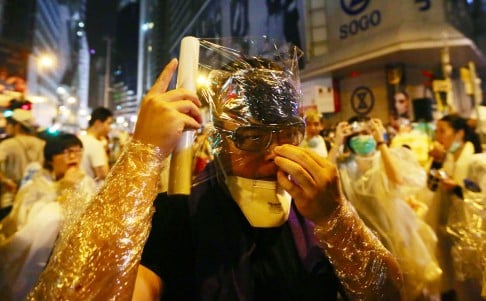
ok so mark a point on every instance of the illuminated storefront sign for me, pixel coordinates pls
(354, 7)
(364, 15)
(361, 23)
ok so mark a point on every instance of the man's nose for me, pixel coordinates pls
(274, 141)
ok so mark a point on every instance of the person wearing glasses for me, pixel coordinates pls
(268, 220)
(27, 235)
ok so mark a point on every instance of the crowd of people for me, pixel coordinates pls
(276, 211)
(42, 175)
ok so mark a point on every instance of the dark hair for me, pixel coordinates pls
(57, 144)
(394, 107)
(101, 114)
(401, 92)
(270, 95)
(459, 123)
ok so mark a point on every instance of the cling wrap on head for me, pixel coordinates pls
(250, 88)
(255, 95)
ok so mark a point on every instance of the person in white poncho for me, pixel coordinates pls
(377, 180)
(56, 193)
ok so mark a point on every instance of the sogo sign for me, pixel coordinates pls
(363, 23)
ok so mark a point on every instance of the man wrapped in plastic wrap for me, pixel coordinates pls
(467, 226)
(266, 221)
(378, 180)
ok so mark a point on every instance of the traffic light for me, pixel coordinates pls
(19, 104)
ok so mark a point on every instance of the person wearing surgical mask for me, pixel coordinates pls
(266, 220)
(451, 154)
(379, 181)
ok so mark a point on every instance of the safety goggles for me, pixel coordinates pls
(258, 138)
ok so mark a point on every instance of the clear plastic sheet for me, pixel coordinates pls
(383, 206)
(251, 84)
(365, 274)
(467, 225)
(96, 257)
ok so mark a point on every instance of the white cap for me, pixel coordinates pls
(24, 117)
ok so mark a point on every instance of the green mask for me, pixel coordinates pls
(363, 144)
(454, 147)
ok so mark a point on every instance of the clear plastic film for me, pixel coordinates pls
(361, 263)
(467, 225)
(384, 208)
(96, 258)
(252, 89)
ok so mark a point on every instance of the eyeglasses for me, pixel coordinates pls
(76, 151)
(258, 138)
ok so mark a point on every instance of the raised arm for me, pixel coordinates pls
(97, 257)
(365, 268)
(342, 130)
(391, 169)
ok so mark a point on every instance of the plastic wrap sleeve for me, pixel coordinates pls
(98, 258)
(365, 268)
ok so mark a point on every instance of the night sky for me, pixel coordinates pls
(100, 23)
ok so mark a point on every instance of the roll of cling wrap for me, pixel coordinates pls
(181, 161)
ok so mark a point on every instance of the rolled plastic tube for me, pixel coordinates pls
(181, 160)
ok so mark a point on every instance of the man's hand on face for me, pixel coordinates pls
(165, 114)
(311, 180)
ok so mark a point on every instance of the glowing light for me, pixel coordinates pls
(46, 61)
(53, 129)
(202, 80)
(147, 26)
(71, 100)
(61, 90)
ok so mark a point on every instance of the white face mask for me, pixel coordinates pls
(263, 203)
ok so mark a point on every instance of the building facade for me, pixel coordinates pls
(357, 53)
(49, 36)
(374, 48)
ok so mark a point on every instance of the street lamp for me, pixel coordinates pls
(46, 61)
